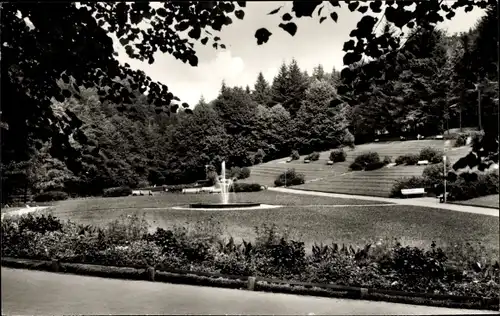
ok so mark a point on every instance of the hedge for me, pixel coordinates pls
(245, 187)
(338, 155)
(313, 156)
(367, 158)
(295, 155)
(465, 186)
(50, 196)
(375, 165)
(409, 183)
(118, 191)
(202, 251)
(408, 159)
(239, 173)
(431, 154)
(289, 177)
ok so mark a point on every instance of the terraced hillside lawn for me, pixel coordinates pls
(339, 179)
(308, 218)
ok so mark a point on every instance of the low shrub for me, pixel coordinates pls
(367, 158)
(408, 159)
(289, 177)
(461, 139)
(431, 154)
(118, 191)
(295, 155)
(39, 224)
(245, 187)
(456, 270)
(178, 187)
(313, 156)
(409, 183)
(434, 173)
(259, 156)
(356, 167)
(338, 155)
(349, 140)
(374, 166)
(244, 173)
(387, 160)
(465, 189)
(51, 196)
(234, 173)
(239, 173)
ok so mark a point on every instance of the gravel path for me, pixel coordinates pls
(23, 211)
(424, 202)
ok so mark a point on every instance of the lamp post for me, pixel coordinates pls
(478, 89)
(459, 113)
(444, 177)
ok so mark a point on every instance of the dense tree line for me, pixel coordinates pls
(113, 126)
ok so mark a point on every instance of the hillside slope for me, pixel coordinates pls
(338, 179)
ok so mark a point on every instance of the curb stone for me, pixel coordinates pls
(252, 283)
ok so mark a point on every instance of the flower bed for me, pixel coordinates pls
(127, 243)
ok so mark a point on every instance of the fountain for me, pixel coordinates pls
(225, 185)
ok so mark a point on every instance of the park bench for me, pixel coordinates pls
(191, 190)
(416, 191)
(141, 192)
(423, 162)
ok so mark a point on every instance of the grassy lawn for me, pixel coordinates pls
(483, 201)
(309, 218)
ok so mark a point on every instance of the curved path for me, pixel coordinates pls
(23, 211)
(26, 292)
(424, 202)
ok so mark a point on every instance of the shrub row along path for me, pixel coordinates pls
(424, 202)
(26, 292)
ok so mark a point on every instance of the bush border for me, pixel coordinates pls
(254, 283)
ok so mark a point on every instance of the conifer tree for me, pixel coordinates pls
(262, 91)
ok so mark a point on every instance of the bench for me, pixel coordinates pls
(416, 191)
(141, 192)
(191, 190)
(423, 162)
(441, 197)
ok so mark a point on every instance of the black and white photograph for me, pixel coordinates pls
(249, 157)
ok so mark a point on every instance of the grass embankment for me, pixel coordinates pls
(338, 179)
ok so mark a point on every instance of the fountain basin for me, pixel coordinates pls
(224, 205)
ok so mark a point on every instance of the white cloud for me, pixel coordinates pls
(242, 61)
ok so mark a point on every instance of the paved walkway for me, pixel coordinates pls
(25, 210)
(424, 202)
(26, 292)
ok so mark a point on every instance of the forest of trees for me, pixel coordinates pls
(428, 88)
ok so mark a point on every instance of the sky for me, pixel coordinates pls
(242, 60)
